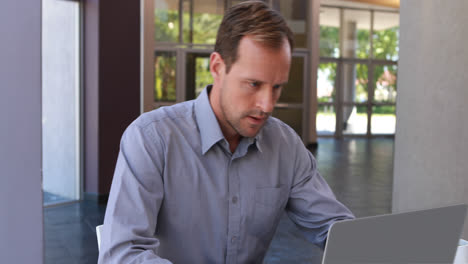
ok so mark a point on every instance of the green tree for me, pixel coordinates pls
(363, 43)
(166, 24)
(385, 46)
(202, 31)
(205, 28)
(385, 43)
(329, 41)
(203, 74)
(165, 81)
(330, 70)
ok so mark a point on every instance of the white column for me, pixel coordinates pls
(431, 144)
(349, 38)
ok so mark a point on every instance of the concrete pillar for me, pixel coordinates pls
(349, 39)
(313, 34)
(431, 144)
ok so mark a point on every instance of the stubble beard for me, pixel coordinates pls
(235, 122)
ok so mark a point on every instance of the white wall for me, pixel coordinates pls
(21, 221)
(431, 144)
(60, 92)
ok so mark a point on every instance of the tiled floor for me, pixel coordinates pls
(358, 170)
(51, 198)
(69, 230)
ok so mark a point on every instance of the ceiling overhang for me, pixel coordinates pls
(386, 3)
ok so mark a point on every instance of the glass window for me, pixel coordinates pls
(295, 13)
(354, 119)
(385, 77)
(198, 74)
(326, 91)
(166, 20)
(383, 119)
(201, 20)
(329, 32)
(355, 83)
(386, 35)
(291, 116)
(346, 33)
(356, 34)
(292, 92)
(326, 120)
(165, 76)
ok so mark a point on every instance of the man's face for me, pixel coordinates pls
(248, 93)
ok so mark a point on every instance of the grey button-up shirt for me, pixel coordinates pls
(179, 195)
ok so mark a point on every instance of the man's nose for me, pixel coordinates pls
(265, 100)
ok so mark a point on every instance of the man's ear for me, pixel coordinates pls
(217, 66)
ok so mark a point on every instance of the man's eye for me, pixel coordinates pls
(254, 84)
(278, 86)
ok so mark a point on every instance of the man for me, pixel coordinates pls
(206, 181)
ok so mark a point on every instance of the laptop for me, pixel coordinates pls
(426, 236)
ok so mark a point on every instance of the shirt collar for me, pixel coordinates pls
(258, 138)
(210, 132)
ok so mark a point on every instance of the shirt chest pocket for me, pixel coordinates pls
(268, 207)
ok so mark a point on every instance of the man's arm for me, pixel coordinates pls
(135, 199)
(312, 204)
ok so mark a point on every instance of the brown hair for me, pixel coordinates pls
(255, 19)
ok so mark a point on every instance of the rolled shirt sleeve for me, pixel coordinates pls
(312, 205)
(135, 199)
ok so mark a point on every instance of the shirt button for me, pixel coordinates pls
(233, 239)
(234, 199)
